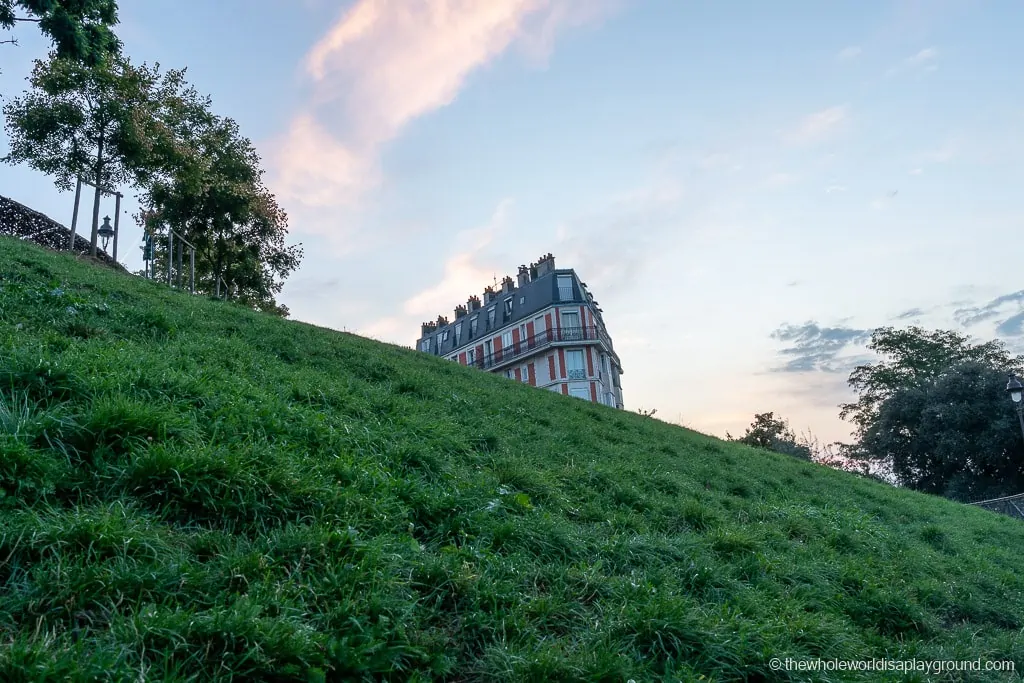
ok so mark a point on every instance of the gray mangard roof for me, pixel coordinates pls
(530, 297)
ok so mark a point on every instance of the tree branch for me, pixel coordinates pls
(36, 21)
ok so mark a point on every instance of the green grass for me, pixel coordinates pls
(192, 491)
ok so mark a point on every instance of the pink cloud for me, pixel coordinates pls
(385, 63)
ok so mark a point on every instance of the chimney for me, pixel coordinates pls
(460, 312)
(524, 276)
(545, 265)
(507, 285)
(489, 294)
(441, 321)
(473, 303)
(427, 328)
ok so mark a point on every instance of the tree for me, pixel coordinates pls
(215, 198)
(80, 29)
(956, 435)
(96, 122)
(912, 357)
(773, 434)
(935, 412)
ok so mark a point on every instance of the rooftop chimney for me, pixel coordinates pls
(460, 312)
(545, 264)
(473, 303)
(441, 321)
(489, 294)
(507, 285)
(427, 328)
(524, 276)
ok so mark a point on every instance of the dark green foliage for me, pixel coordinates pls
(774, 434)
(935, 412)
(79, 29)
(197, 491)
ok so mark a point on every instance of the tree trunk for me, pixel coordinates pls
(96, 201)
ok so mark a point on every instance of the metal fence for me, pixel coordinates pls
(1010, 505)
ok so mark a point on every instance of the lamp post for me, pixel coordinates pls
(1016, 391)
(106, 231)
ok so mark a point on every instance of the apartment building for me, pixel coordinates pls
(543, 329)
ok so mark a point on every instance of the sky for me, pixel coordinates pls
(748, 188)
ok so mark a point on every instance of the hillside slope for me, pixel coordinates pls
(192, 491)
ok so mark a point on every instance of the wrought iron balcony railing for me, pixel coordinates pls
(539, 341)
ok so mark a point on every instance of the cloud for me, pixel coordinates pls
(848, 53)
(813, 348)
(385, 63)
(916, 171)
(819, 125)
(923, 60)
(911, 313)
(464, 273)
(835, 188)
(1012, 326)
(996, 308)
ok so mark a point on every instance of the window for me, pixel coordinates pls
(574, 365)
(471, 356)
(490, 317)
(524, 374)
(508, 307)
(565, 288)
(458, 333)
(571, 329)
(506, 340)
(522, 300)
(472, 326)
(580, 392)
(425, 345)
(488, 349)
(522, 336)
(444, 336)
(510, 373)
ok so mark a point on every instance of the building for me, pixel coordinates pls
(543, 329)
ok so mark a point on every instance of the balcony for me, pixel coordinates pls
(530, 346)
(565, 294)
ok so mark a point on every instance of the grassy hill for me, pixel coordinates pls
(193, 491)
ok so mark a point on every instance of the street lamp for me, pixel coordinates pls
(106, 231)
(1016, 391)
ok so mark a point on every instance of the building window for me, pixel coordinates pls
(524, 374)
(472, 326)
(565, 288)
(490, 317)
(574, 368)
(471, 356)
(510, 373)
(444, 336)
(506, 341)
(522, 300)
(571, 329)
(508, 307)
(580, 392)
(458, 333)
(425, 345)
(488, 350)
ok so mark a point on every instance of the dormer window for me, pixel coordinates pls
(472, 326)
(508, 306)
(425, 345)
(458, 333)
(490, 316)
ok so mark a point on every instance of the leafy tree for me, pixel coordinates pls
(214, 196)
(773, 434)
(80, 29)
(96, 122)
(955, 435)
(912, 357)
(935, 412)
